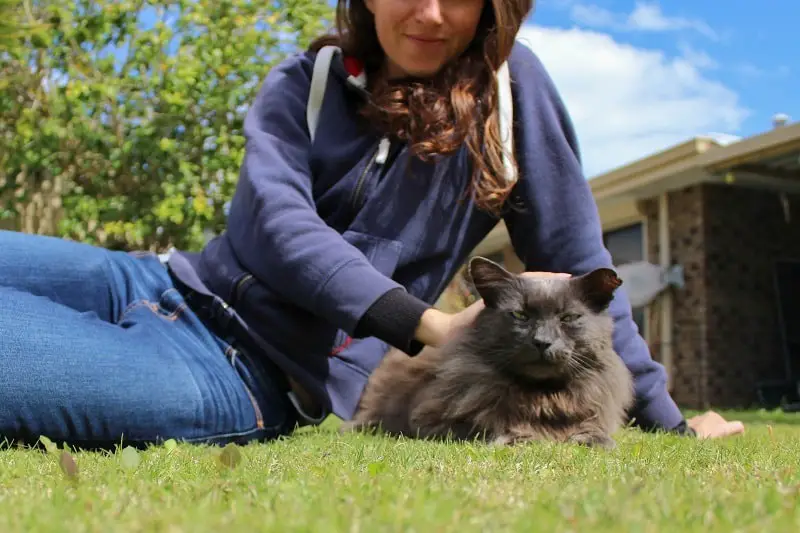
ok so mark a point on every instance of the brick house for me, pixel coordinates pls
(729, 214)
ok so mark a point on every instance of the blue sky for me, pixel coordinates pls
(690, 67)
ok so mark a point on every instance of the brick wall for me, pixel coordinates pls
(726, 335)
(688, 242)
(747, 233)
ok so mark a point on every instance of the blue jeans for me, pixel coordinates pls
(97, 347)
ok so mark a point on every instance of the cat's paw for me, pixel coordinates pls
(510, 440)
(356, 426)
(348, 427)
(593, 440)
(502, 440)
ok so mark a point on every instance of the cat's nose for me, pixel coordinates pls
(541, 346)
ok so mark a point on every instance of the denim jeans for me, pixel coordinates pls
(98, 348)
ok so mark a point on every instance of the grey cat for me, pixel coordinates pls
(537, 364)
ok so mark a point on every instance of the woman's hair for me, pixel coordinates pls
(458, 105)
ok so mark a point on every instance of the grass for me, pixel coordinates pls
(320, 481)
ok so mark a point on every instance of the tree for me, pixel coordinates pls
(16, 22)
(8, 23)
(122, 124)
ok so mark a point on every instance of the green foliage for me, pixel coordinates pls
(9, 18)
(16, 22)
(126, 115)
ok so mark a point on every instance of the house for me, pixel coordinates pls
(729, 215)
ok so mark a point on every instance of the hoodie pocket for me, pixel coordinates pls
(383, 254)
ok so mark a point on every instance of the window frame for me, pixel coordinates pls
(640, 226)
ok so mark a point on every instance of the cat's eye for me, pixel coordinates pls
(519, 315)
(570, 317)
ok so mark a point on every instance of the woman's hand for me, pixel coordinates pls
(711, 425)
(436, 327)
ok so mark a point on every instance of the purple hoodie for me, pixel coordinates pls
(333, 251)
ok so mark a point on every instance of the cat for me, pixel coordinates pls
(536, 364)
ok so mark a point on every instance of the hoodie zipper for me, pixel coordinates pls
(238, 289)
(379, 156)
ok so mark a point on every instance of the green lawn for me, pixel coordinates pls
(320, 481)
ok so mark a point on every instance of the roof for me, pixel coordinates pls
(770, 159)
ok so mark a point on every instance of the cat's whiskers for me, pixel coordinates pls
(579, 363)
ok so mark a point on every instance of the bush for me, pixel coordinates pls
(121, 124)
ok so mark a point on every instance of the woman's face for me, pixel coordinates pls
(420, 36)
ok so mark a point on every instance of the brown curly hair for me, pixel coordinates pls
(457, 106)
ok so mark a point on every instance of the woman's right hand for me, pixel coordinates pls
(436, 327)
(463, 319)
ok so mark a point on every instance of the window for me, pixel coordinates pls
(626, 245)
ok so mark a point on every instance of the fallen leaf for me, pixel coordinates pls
(130, 458)
(68, 465)
(49, 445)
(230, 456)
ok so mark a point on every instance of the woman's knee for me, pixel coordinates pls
(68, 272)
(80, 276)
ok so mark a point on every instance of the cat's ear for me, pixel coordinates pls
(494, 283)
(597, 288)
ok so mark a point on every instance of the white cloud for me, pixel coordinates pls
(649, 17)
(645, 17)
(595, 16)
(754, 71)
(698, 58)
(628, 102)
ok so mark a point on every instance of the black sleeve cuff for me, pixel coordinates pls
(394, 318)
(684, 429)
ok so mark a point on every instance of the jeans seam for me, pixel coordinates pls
(230, 353)
(245, 433)
(109, 267)
(140, 254)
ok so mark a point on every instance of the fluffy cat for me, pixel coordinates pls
(537, 364)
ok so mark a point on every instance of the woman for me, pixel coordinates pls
(335, 248)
